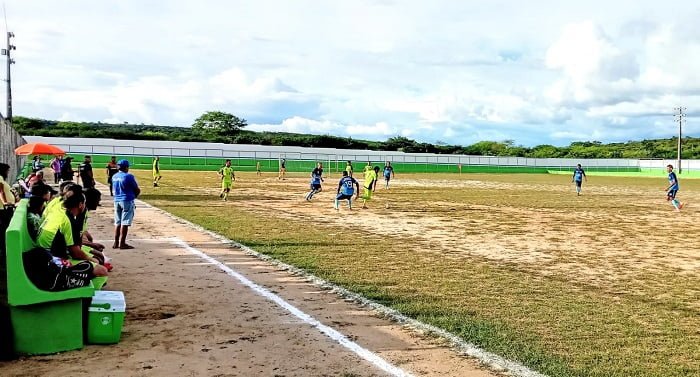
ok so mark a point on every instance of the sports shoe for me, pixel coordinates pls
(680, 206)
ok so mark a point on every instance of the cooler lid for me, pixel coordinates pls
(108, 301)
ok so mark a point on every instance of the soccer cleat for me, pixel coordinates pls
(680, 206)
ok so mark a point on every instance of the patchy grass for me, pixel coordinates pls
(606, 284)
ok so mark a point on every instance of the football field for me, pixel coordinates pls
(605, 284)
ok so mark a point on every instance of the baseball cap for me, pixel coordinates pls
(123, 163)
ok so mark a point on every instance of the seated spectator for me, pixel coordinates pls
(34, 210)
(96, 249)
(55, 203)
(34, 178)
(43, 191)
(7, 202)
(57, 233)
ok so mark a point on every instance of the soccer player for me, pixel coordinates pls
(112, 169)
(578, 177)
(370, 184)
(346, 187)
(348, 168)
(156, 171)
(316, 179)
(283, 168)
(388, 174)
(257, 168)
(672, 189)
(227, 177)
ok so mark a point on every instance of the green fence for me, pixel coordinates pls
(272, 165)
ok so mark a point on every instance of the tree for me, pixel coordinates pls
(219, 124)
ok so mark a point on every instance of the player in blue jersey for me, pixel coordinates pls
(672, 189)
(388, 174)
(316, 179)
(579, 176)
(346, 188)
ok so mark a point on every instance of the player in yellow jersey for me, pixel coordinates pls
(156, 171)
(227, 177)
(348, 168)
(370, 184)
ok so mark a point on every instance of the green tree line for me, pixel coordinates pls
(226, 128)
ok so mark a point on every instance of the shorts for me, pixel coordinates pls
(387, 178)
(578, 183)
(671, 194)
(316, 186)
(226, 185)
(156, 174)
(343, 197)
(124, 212)
(367, 195)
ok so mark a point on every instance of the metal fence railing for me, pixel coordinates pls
(203, 154)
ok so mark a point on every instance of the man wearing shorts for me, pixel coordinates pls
(370, 184)
(388, 174)
(227, 177)
(346, 187)
(58, 231)
(579, 176)
(348, 168)
(156, 171)
(316, 179)
(672, 189)
(126, 190)
(283, 168)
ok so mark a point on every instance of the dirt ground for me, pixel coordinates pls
(185, 317)
(614, 234)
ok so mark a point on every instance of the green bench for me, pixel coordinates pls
(43, 322)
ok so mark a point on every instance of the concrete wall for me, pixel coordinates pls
(9, 140)
(82, 146)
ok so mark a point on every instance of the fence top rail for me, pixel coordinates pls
(218, 150)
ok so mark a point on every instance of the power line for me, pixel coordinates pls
(8, 52)
(680, 118)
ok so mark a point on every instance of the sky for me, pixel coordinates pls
(455, 72)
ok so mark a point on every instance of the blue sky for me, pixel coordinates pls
(539, 72)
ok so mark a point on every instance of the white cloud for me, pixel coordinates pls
(429, 70)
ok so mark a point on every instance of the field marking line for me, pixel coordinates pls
(335, 335)
(490, 359)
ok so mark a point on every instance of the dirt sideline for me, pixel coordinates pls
(186, 317)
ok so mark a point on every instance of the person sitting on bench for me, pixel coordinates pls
(57, 233)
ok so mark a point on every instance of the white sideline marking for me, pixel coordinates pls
(495, 362)
(364, 353)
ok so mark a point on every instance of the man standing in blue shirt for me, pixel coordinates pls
(126, 190)
(672, 189)
(388, 174)
(579, 176)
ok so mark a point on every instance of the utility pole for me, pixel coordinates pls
(8, 52)
(680, 117)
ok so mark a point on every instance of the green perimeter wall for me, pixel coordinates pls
(248, 164)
